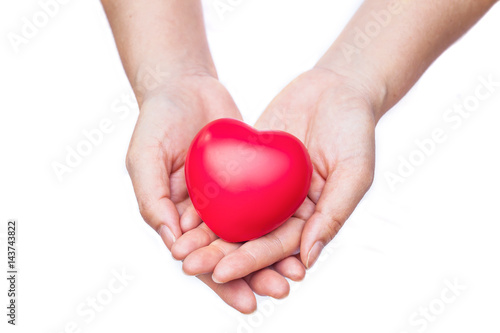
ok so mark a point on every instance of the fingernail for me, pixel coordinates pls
(215, 280)
(167, 235)
(314, 254)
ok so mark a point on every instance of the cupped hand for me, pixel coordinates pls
(332, 115)
(169, 119)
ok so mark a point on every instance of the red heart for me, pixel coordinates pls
(245, 183)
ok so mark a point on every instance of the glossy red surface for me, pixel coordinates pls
(245, 183)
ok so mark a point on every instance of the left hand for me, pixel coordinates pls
(333, 116)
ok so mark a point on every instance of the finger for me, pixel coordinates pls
(150, 179)
(268, 282)
(206, 258)
(342, 192)
(189, 219)
(261, 252)
(193, 240)
(182, 206)
(291, 268)
(236, 294)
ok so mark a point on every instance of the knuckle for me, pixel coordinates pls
(146, 209)
(250, 256)
(275, 245)
(130, 159)
(366, 176)
(332, 228)
(206, 233)
(219, 248)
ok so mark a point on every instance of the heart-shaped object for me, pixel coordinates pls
(245, 183)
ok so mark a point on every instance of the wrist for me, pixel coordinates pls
(360, 75)
(152, 80)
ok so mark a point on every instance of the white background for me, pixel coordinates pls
(393, 257)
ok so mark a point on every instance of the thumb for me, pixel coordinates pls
(341, 193)
(150, 178)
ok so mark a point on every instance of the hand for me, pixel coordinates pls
(169, 119)
(333, 116)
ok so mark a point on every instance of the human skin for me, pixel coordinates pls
(163, 47)
(333, 109)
